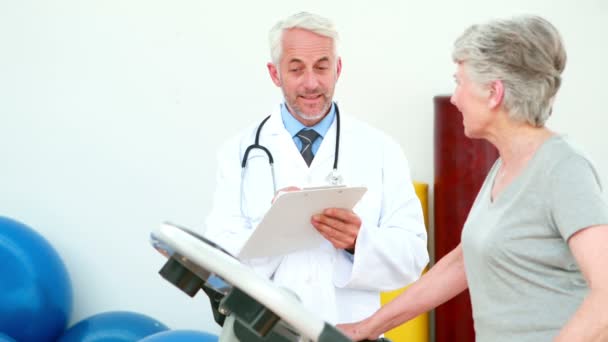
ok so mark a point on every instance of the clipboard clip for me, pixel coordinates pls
(334, 177)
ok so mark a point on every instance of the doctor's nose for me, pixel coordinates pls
(311, 81)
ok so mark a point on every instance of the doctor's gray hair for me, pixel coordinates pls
(526, 53)
(305, 21)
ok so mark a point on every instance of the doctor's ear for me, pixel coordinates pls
(274, 74)
(338, 67)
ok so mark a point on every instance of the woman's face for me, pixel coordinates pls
(473, 102)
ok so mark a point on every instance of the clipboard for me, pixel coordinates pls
(286, 226)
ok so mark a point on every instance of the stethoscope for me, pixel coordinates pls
(333, 178)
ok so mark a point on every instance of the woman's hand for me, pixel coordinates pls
(358, 331)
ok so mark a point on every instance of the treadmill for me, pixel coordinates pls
(249, 307)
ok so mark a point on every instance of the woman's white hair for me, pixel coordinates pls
(526, 53)
(303, 20)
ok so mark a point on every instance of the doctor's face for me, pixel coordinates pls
(307, 74)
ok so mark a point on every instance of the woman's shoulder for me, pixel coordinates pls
(560, 148)
(564, 157)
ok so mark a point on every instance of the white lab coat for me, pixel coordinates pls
(391, 248)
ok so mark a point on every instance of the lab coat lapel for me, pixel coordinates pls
(277, 135)
(326, 152)
(275, 123)
(287, 154)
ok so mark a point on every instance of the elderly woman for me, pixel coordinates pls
(534, 249)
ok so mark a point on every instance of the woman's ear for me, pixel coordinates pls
(497, 93)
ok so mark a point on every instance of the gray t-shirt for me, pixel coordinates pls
(523, 280)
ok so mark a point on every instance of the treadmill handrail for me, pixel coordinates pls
(285, 305)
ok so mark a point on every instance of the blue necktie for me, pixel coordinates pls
(307, 136)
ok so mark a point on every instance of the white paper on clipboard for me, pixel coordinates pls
(286, 226)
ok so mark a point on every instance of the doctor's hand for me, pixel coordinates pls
(338, 226)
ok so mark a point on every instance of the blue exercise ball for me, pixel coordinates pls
(115, 326)
(181, 336)
(35, 288)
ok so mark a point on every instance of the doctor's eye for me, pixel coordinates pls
(322, 65)
(294, 69)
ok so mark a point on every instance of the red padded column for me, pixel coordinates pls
(461, 165)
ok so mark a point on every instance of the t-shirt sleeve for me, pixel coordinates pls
(577, 199)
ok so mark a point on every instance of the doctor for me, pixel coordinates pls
(381, 245)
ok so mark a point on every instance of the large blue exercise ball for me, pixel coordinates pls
(115, 326)
(181, 336)
(35, 288)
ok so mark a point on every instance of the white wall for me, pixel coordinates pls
(110, 113)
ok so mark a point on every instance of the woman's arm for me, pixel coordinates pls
(443, 282)
(590, 322)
